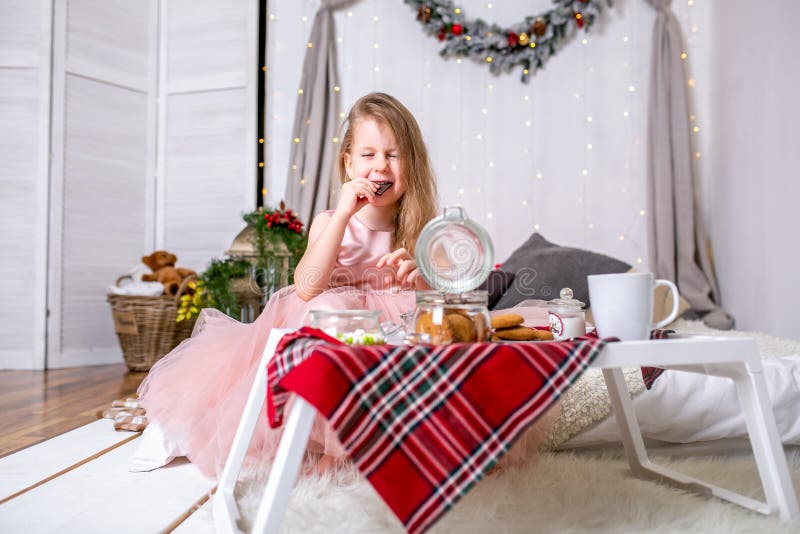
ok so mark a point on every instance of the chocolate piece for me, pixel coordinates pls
(383, 187)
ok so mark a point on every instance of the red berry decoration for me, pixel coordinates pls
(457, 29)
(513, 39)
(441, 35)
(579, 20)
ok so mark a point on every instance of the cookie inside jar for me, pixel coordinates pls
(449, 318)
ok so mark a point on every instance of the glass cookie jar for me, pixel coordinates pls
(354, 327)
(454, 256)
(452, 318)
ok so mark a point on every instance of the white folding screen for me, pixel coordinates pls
(103, 139)
(153, 141)
(207, 126)
(25, 30)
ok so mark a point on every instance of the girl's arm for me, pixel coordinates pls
(313, 273)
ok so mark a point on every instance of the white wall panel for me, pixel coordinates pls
(208, 44)
(20, 33)
(19, 104)
(103, 169)
(207, 137)
(110, 41)
(103, 210)
(25, 32)
(755, 161)
(204, 169)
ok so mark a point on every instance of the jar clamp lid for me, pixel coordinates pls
(454, 254)
(565, 301)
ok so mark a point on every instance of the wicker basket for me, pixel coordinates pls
(146, 326)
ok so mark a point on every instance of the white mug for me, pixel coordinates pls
(622, 304)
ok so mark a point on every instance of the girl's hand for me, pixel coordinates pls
(355, 194)
(406, 273)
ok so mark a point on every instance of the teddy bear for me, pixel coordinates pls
(162, 263)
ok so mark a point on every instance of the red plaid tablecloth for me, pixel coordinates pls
(424, 423)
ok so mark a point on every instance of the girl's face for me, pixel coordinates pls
(376, 157)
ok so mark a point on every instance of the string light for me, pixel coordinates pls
(588, 146)
(299, 91)
(631, 88)
(261, 140)
(641, 212)
(588, 118)
(304, 18)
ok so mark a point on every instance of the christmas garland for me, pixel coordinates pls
(527, 44)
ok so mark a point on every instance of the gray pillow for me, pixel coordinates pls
(542, 268)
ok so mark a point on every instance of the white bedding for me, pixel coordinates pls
(688, 408)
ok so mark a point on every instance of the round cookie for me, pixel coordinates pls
(522, 333)
(507, 320)
(440, 333)
(463, 329)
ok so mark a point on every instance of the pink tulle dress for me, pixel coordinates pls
(196, 394)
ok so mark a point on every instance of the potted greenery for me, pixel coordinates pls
(261, 259)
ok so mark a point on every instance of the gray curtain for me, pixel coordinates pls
(679, 247)
(308, 187)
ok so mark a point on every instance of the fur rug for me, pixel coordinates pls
(563, 492)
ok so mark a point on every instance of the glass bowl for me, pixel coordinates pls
(354, 327)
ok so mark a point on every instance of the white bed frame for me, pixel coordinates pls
(736, 358)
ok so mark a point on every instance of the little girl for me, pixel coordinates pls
(359, 255)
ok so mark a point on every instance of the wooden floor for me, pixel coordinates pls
(37, 405)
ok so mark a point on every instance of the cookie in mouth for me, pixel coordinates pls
(382, 187)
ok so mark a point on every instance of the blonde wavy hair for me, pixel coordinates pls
(420, 202)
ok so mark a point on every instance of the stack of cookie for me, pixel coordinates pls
(508, 326)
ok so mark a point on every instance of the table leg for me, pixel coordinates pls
(285, 467)
(224, 508)
(766, 443)
(777, 485)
